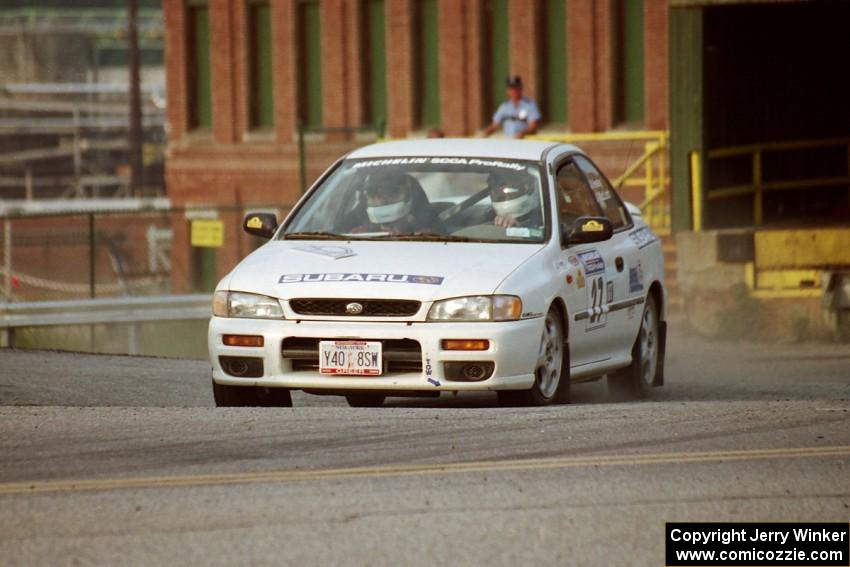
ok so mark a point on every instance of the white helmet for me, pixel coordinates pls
(512, 194)
(392, 198)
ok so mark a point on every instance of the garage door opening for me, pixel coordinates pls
(773, 116)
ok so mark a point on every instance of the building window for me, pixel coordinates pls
(261, 91)
(554, 60)
(198, 63)
(310, 63)
(428, 64)
(628, 64)
(496, 60)
(375, 68)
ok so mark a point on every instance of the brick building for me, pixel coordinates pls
(753, 95)
(242, 74)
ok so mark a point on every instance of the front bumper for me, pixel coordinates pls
(513, 350)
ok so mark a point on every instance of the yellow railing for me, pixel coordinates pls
(649, 171)
(758, 186)
(696, 192)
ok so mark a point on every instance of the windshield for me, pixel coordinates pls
(425, 198)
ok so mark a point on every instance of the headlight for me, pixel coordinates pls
(477, 308)
(249, 305)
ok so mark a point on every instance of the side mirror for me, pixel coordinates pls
(588, 229)
(260, 224)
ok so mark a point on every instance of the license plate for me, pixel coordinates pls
(353, 358)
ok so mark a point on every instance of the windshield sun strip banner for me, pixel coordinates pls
(473, 162)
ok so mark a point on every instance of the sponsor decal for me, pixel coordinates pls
(602, 194)
(592, 262)
(642, 237)
(569, 279)
(389, 161)
(355, 277)
(636, 279)
(610, 291)
(479, 162)
(518, 232)
(254, 222)
(573, 260)
(592, 226)
(579, 279)
(440, 161)
(430, 280)
(335, 252)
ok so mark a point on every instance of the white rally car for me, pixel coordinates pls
(413, 268)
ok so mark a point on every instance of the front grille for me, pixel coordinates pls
(371, 307)
(399, 355)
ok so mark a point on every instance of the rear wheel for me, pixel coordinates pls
(552, 371)
(635, 380)
(251, 396)
(365, 400)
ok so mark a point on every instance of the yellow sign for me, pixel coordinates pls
(254, 222)
(207, 233)
(592, 226)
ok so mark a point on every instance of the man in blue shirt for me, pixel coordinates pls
(518, 116)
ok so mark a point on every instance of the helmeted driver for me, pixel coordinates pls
(514, 199)
(396, 203)
(388, 199)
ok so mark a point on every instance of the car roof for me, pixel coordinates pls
(460, 147)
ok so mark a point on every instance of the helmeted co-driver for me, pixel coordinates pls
(514, 199)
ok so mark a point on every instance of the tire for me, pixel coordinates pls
(365, 400)
(251, 396)
(552, 370)
(634, 381)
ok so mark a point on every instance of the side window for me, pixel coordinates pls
(609, 201)
(574, 197)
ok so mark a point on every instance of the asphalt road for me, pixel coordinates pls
(123, 461)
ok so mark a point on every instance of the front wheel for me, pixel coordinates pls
(552, 371)
(635, 380)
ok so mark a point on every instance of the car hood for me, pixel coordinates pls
(397, 270)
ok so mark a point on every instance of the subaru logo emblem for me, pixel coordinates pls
(354, 308)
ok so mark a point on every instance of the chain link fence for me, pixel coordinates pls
(150, 250)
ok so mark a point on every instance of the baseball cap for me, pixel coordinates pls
(514, 82)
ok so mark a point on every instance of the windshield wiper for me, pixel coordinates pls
(314, 236)
(430, 237)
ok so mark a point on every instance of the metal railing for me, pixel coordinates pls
(757, 186)
(84, 248)
(648, 172)
(82, 143)
(122, 310)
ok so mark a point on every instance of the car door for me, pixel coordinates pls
(624, 279)
(591, 265)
